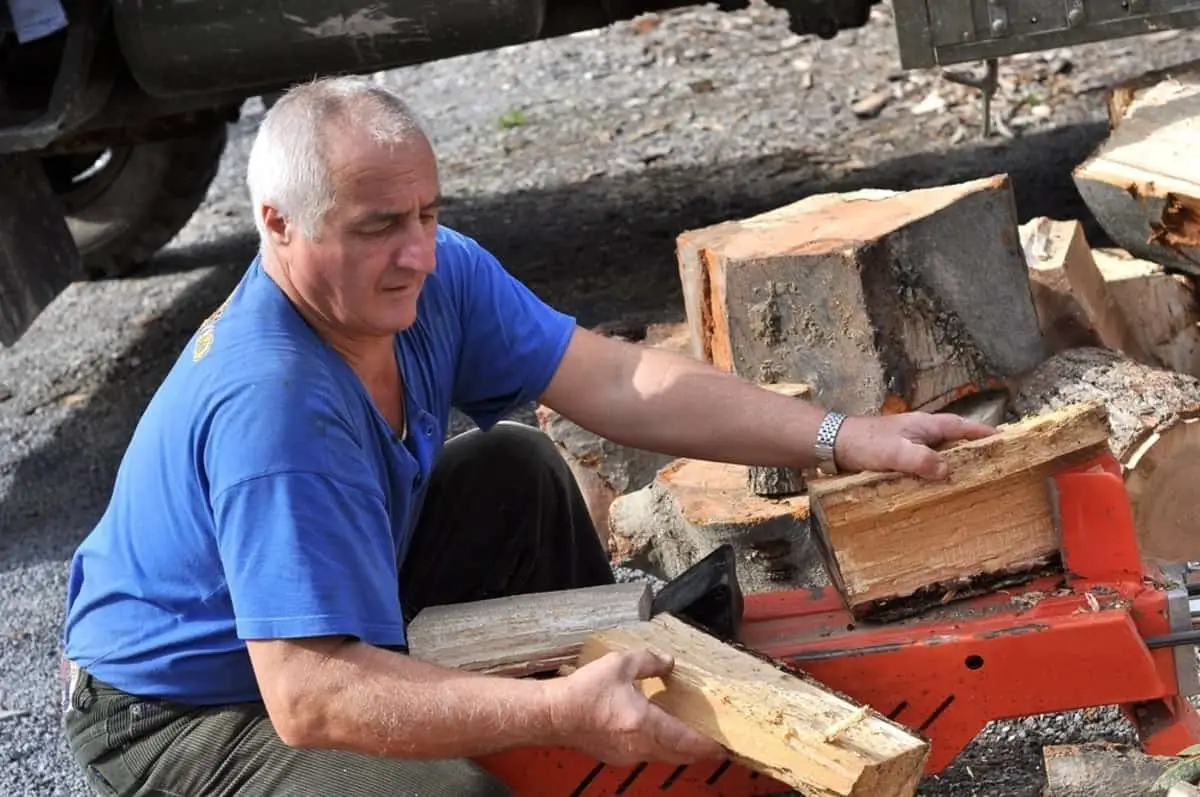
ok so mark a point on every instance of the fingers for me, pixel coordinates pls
(956, 427)
(679, 741)
(920, 460)
(644, 663)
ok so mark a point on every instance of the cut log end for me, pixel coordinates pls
(1071, 292)
(1140, 184)
(1161, 477)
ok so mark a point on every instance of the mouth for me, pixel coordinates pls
(402, 289)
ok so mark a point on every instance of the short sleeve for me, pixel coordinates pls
(512, 340)
(302, 531)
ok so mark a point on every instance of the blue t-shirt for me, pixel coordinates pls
(263, 495)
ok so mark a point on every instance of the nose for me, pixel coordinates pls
(416, 251)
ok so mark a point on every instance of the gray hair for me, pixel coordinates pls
(288, 167)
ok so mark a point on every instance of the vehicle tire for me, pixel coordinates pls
(125, 203)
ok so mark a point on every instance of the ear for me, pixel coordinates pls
(278, 228)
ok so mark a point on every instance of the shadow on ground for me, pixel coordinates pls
(601, 249)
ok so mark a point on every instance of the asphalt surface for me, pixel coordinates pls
(577, 161)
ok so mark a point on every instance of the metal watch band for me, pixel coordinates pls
(827, 435)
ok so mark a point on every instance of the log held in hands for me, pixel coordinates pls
(523, 634)
(897, 544)
(775, 721)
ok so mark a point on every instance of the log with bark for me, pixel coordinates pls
(896, 544)
(1141, 183)
(1152, 431)
(1101, 769)
(776, 721)
(525, 634)
(882, 301)
(693, 506)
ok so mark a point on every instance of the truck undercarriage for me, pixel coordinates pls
(119, 120)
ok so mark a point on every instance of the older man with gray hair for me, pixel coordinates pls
(236, 620)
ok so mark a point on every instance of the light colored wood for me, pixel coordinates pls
(1100, 769)
(1055, 246)
(783, 724)
(1142, 184)
(896, 544)
(1161, 308)
(882, 301)
(1125, 97)
(523, 634)
(1161, 476)
(780, 482)
(1063, 320)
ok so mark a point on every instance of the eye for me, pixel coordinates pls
(375, 227)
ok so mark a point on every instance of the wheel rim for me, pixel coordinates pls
(78, 178)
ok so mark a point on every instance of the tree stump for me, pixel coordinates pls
(1152, 431)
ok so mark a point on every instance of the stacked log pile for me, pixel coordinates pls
(939, 299)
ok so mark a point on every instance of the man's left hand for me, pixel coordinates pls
(903, 443)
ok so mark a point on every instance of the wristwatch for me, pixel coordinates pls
(827, 434)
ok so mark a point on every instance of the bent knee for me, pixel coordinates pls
(507, 445)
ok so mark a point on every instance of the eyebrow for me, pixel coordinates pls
(391, 215)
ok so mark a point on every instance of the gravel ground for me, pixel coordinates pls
(577, 161)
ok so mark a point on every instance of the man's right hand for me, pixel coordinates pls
(600, 710)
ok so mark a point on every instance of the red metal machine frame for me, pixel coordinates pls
(1071, 641)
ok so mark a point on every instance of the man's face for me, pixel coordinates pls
(365, 270)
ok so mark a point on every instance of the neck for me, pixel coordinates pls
(371, 356)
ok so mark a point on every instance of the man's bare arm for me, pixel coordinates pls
(661, 401)
(347, 695)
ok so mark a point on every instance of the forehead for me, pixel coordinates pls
(364, 170)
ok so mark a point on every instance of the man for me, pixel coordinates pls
(236, 619)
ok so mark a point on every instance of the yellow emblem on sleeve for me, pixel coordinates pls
(204, 340)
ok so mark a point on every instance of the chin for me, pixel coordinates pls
(399, 316)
